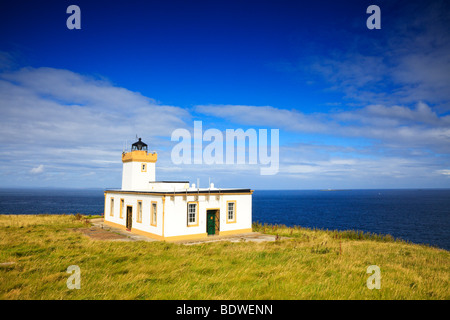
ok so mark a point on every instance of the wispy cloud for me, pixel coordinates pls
(377, 142)
(66, 120)
(266, 116)
(38, 169)
(408, 62)
(418, 127)
(444, 172)
(74, 127)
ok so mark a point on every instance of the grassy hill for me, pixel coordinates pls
(35, 252)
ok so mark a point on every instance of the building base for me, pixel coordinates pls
(175, 238)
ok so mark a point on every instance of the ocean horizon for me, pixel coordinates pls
(417, 215)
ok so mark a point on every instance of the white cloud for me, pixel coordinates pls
(62, 108)
(407, 63)
(75, 126)
(371, 144)
(444, 172)
(66, 120)
(65, 107)
(267, 116)
(38, 169)
(399, 126)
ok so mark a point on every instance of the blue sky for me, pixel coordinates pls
(356, 108)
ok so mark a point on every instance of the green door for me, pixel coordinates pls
(211, 222)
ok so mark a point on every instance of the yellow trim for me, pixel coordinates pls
(139, 212)
(143, 167)
(158, 237)
(139, 156)
(164, 205)
(104, 205)
(136, 231)
(122, 204)
(111, 207)
(187, 237)
(231, 232)
(147, 234)
(178, 238)
(196, 214)
(153, 223)
(235, 212)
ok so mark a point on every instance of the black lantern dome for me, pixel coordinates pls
(139, 145)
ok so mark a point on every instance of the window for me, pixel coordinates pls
(192, 214)
(144, 167)
(111, 208)
(139, 211)
(231, 211)
(153, 213)
(122, 207)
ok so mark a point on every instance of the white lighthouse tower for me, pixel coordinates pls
(138, 168)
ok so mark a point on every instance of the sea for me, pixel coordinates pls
(415, 215)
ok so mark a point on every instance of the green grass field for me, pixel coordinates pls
(311, 264)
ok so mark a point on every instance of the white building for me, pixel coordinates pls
(173, 210)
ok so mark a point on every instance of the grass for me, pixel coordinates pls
(311, 264)
(305, 233)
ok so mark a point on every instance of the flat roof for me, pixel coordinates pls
(198, 191)
(169, 181)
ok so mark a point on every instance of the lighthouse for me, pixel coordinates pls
(138, 170)
(173, 210)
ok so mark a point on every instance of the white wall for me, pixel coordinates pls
(175, 213)
(131, 200)
(133, 179)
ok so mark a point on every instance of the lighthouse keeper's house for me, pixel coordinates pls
(173, 210)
